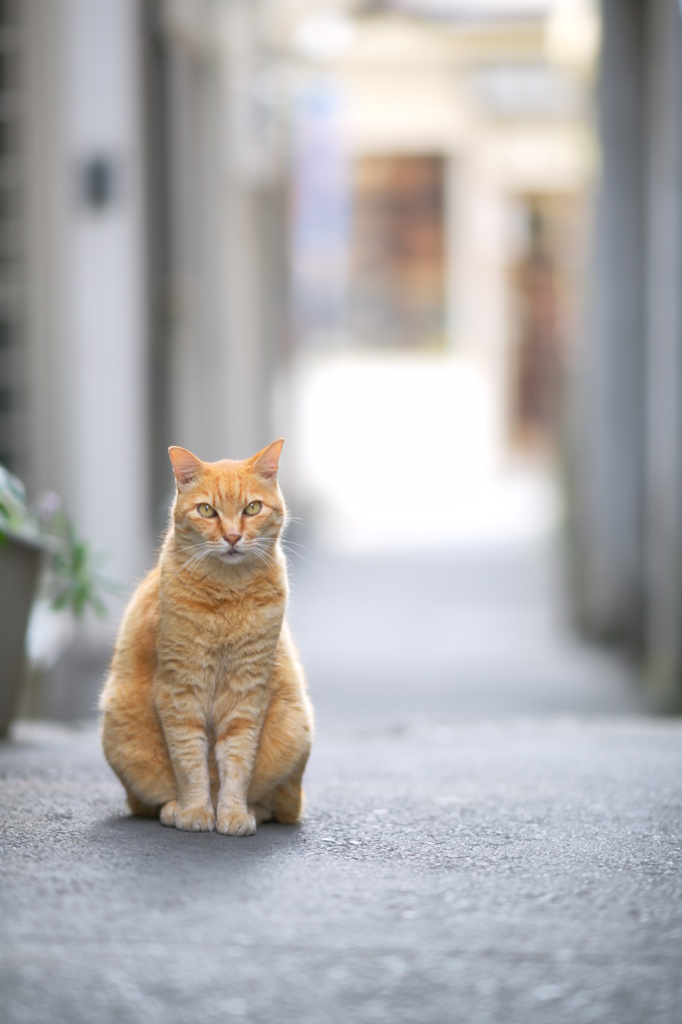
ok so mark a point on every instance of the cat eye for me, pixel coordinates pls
(206, 511)
(253, 508)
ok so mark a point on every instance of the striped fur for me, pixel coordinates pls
(206, 720)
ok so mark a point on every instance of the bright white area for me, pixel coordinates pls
(407, 451)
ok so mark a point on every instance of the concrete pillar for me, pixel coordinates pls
(105, 314)
(221, 253)
(86, 309)
(46, 457)
(607, 465)
(86, 339)
(662, 245)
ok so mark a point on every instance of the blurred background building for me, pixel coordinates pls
(401, 233)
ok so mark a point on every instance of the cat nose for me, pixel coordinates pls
(233, 538)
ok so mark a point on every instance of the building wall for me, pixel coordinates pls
(153, 242)
(86, 286)
(662, 378)
(219, 282)
(149, 304)
(626, 466)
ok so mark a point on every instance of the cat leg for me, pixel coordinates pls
(140, 809)
(287, 800)
(191, 808)
(237, 737)
(136, 750)
(261, 813)
(183, 722)
(282, 756)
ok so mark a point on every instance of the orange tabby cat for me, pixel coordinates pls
(206, 717)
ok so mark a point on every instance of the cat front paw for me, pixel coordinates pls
(236, 823)
(168, 813)
(188, 819)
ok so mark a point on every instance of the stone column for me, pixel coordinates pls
(662, 247)
(607, 465)
(221, 258)
(85, 267)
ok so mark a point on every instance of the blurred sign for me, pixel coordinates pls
(99, 182)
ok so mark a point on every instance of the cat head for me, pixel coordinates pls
(232, 511)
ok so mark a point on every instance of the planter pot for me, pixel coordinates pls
(20, 561)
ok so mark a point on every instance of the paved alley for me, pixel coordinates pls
(493, 833)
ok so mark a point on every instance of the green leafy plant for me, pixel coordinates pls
(73, 579)
(16, 518)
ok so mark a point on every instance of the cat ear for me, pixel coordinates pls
(266, 461)
(185, 465)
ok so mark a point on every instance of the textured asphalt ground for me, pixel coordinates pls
(493, 834)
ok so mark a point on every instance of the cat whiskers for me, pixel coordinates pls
(264, 554)
(291, 546)
(193, 561)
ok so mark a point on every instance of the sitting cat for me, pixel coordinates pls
(206, 718)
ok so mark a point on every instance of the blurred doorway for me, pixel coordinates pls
(397, 264)
(541, 289)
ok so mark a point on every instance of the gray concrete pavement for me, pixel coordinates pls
(491, 846)
(477, 632)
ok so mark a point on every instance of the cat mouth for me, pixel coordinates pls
(233, 553)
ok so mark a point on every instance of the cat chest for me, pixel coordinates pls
(222, 660)
(226, 679)
(224, 654)
(225, 645)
